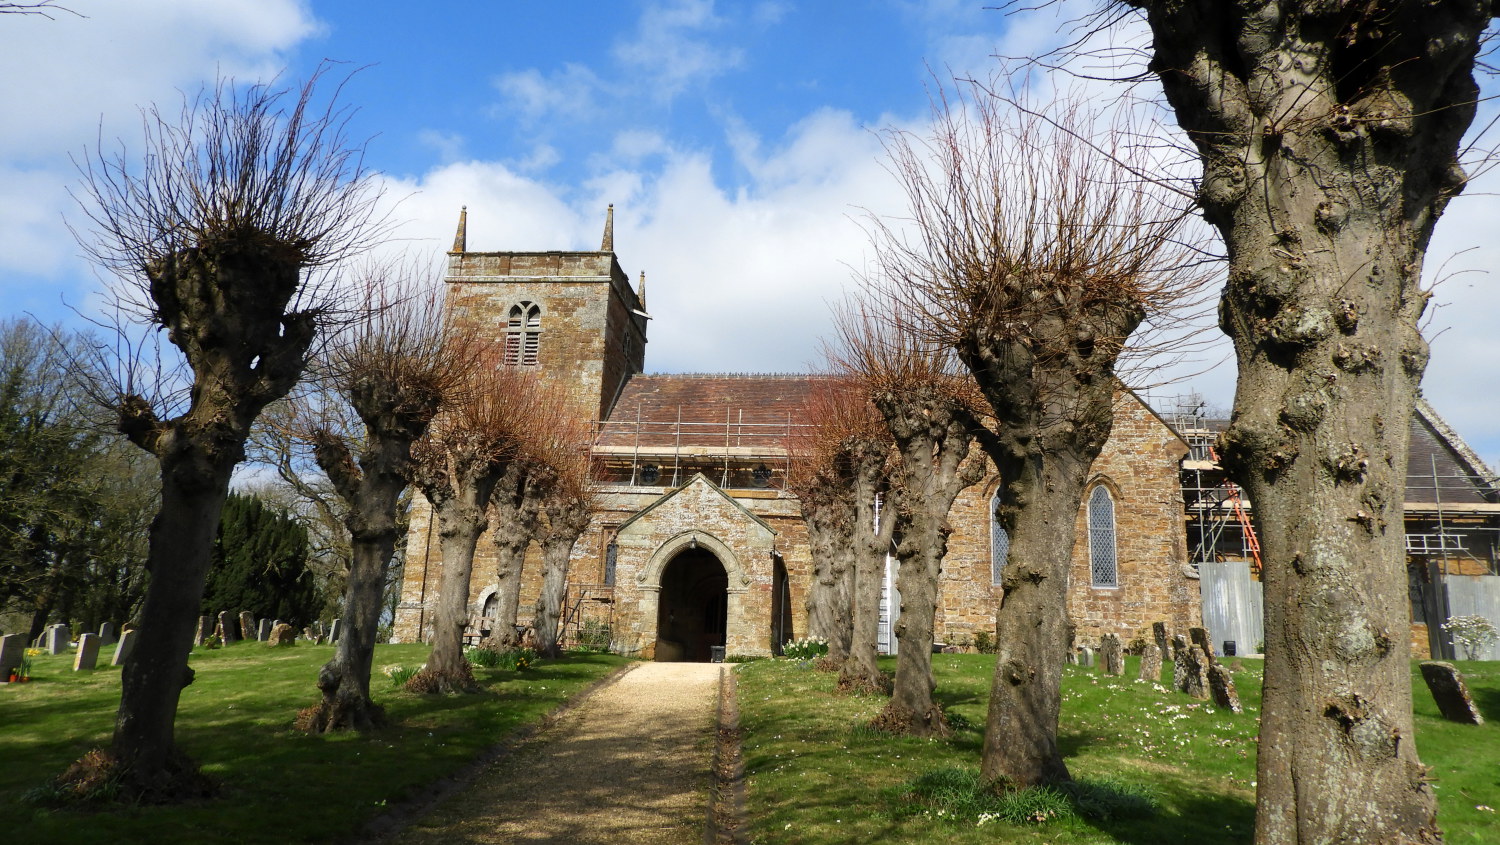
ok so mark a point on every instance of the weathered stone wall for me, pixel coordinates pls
(1139, 464)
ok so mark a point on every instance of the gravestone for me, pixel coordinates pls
(309, 635)
(1151, 663)
(1159, 633)
(122, 651)
(1221, 686)
(1199, 636)
(263, 630)
(318, 630)
(12, 649)
(1450, 692)
(247, 625)
(205, 629)
(282, 635)
(335, 629)
(228, 628)
(88, 652)
(1179, 662)
(106, 633)
(57, 639)
(1085, 656)
(1112, 656)
(1195, 673)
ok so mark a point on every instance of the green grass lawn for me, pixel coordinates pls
(816, 775)
(278, 785)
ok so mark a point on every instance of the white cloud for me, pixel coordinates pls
(569, 92)
(76, 80)
(670, 51)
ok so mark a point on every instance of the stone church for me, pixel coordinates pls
(696, 551)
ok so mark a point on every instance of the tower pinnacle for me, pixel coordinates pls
(609, 231)
(461, 238)
(640, 290)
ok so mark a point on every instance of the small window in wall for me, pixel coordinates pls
(611, 554)
(999, 541)
(523, 335)
(1101, 518)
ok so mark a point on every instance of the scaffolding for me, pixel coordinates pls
(656, 453)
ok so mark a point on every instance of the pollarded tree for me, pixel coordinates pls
(382, 381)
(567, 505)
(821, 476)
(859, 450)
(1328, 135)
(465, 454)
(1036, 249)
(218, 237)
(929, 408)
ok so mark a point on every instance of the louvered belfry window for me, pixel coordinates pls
(1102, 565)
(999, 541)
(523, 335)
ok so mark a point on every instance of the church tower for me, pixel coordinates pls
(572, 316)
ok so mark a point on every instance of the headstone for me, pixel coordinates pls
(335, 629)
(1086, 656)
(247, 625)
(228, 628)
(1151, 663)
(309, 635)
(263, 630)
(1179, 663)
(57, 639)
(12, 649)
(1112, 655)
(107, 633)
(1448, 690)
(282, 634)
(318, 630)
(1195, 673)
(88, 652)
(1199, 636)
(1221, 686)
(122, 651)
(1159, 633)
(205, 629)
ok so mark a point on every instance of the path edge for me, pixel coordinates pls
(385, 827)
(726, 806)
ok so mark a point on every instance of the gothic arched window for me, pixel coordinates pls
(1102, 565)
(523, 335)
(999, 541)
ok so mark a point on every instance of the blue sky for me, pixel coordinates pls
(734, 138)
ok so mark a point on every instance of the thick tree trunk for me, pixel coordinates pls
(1319, 442)
(1328, 135)
(556, 552)
(921, 549)
(1020, 738)
(372, 493)
(830, 594)
(510, 557)
(156, 671)
(460, 523)
(861, 672)
(344, 681)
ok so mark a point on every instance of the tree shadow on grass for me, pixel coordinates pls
(1187, 818)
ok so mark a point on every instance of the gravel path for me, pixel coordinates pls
(631, 763)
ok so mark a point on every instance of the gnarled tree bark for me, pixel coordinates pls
(1328, 136)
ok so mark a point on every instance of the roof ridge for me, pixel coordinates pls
(780, 375)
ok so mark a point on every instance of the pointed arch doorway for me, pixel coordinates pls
(693, 607)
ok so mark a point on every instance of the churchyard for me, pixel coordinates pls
(1157, 765)
(279, 785)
